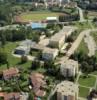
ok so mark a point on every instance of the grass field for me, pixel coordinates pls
(83, 92)
(87, 82)
(38, 15)
(82, 47)
(13, 61)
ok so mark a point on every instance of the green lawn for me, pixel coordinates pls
(13, 61)
(38, 15)
(94, 34)
(83, 92)
(82, 26)
(88, 82)
(82, 47)
(94, 73)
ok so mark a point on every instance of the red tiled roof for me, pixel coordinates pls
(10, 72)
(37, 82)
(11, 96)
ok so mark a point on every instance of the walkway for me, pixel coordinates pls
(90, 44)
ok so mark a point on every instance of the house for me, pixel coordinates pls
(69, 68)
(38, 83)
(67, 90)
(14, 96)
(49, 53)
(10, 73)
(22, 50)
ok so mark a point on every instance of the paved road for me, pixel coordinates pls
(90, 44)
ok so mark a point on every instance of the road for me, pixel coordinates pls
(74, 46)
(77, 42)
(90, 44)
(81, 14)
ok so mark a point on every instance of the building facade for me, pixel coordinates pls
(69, 68)
(49, 54)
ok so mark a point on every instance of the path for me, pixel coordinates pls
(81, 14)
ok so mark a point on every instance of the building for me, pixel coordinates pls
(51, 19)
(14, 96)
(10, 73)
(69, 68)
(37, 47)
(26, 43)
(67, 91)
(58, 40)
(49, 54)
(37, 82)
(38, 25)
(22, 50)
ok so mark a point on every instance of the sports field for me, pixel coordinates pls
(37, 15)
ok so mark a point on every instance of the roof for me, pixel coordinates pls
(37, 81)
(44, 42)
(26, 43)
(70, 63)
(37, 46)
(67, 88)
(51, 18)
(24, 48)
(37, 25)
(11, 96)
(49, 50)
(67, 30)
(12, 71)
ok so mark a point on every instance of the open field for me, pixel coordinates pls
(88, 81)
(82, 47)
(83, 92)
(38, 15)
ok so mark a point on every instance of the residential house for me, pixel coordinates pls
(69, 68)
(14, 96)
(67, 90)
(49, 53)
(10, 73)
(38, 83)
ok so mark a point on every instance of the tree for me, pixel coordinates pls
(24, 59)
(3, 57)
(35, 64)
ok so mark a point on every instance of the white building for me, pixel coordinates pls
(67, 91)
(49, 54)
(58, 40)
(69, 68)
